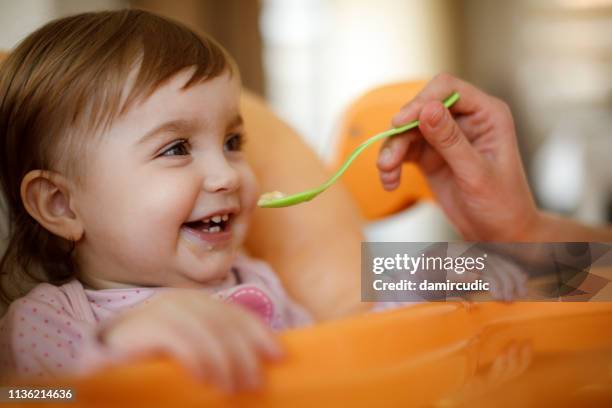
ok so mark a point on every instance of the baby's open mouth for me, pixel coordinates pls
(211, 225)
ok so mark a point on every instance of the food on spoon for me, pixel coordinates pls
(273, 195)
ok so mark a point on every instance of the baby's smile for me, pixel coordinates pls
(216, 223)
(211, 230)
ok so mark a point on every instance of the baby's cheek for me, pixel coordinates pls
(250, 191)
(155, 214)
(168, 202)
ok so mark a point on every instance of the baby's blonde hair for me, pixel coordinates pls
(60, 86)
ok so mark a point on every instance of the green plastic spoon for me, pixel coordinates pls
(276, 199)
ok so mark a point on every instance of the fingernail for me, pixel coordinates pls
(436, 116)
(398, 119)
(385, 155)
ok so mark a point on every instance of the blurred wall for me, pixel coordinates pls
(319, 55)
(233, 23)
(551, 60)
(19, 18)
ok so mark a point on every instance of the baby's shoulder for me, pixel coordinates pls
(45, 298)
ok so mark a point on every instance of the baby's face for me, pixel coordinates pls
(168, 194)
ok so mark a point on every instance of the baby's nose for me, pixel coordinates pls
(223, 177)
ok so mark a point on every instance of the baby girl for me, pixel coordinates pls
(128, 200)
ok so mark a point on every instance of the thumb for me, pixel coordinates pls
(443, 134)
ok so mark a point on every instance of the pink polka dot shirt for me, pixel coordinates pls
(53, 329)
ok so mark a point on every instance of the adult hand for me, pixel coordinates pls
(470, 159)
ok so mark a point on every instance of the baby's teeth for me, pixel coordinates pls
(214, 229)
(216, 218)
(225, 217)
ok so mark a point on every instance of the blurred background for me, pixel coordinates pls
(551, 60)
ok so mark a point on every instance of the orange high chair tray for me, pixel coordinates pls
(434, 354)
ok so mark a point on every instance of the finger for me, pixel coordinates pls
(213, 354)
(506, 284)
(494, 289)
(393, 151)
(524, 356)
(416, 150)
(471, 98)
(519, 280)
(183, 351)
(442, 133)
(207, 350)
(391, 179)
(516, 278)
(430, 160)
(473, 126)
(244, 359)
(226, 350)
(391, 186)
(262, 337)
(497, 370)
(512, 361)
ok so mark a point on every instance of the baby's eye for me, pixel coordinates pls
(234, 142)
(180, 148)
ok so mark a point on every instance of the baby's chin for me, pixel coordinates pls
(206, 265)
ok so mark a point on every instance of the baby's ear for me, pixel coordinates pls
(47, 197)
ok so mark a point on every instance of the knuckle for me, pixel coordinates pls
(404, 108)
(504, 115)
(443, 77)
(397, 143)
(451, 137)
(479, 181)
(391, 186)
(414, 104)
(382, 167)
(476, 182)
(502, 106)
(483, 174)
(418, 100)
(390, 179)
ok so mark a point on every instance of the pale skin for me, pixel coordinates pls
(127, 215)
(473, 166)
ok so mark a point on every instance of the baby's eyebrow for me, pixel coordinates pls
(182, 126)
(174, 126)
(235, 122)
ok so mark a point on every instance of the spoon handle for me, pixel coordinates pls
(448, 102)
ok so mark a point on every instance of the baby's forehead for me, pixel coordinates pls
(213, 102)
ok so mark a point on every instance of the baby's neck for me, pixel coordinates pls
(90, 282)
(94, 283)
